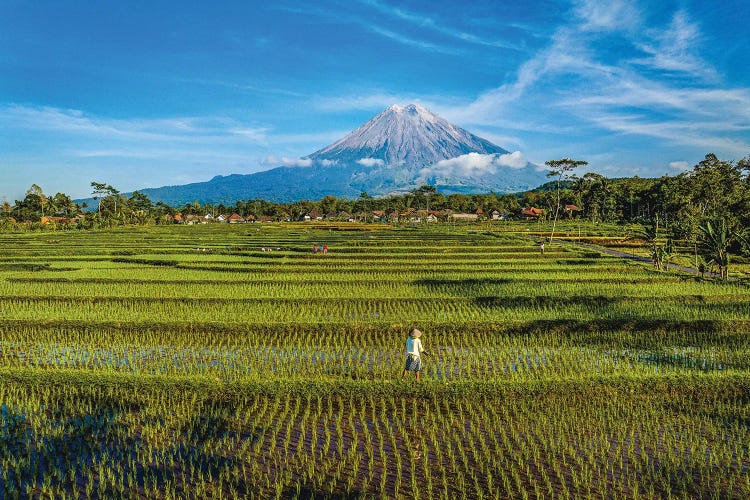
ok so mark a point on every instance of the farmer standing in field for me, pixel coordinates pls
(414, 351)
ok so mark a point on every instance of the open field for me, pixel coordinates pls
(190, 362)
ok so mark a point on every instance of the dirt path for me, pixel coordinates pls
(639, 258)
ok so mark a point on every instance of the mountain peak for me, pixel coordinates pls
(408, 135)
(412, 111)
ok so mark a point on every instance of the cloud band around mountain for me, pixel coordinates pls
(475, 164)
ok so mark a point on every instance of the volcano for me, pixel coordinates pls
(409, 136)
(397, 151)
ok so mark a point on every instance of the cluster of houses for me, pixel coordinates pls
(410, 215)
(60, 220)
(205, 219)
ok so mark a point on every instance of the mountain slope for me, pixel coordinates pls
(396, 151)
(406, 135)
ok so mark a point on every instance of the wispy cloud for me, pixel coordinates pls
(671, 94)
(78, 123)
(424, 21)
(210, 131)
(414, 42)
(675, 49)
(695, 134)
(613, 15)
(141, 152)
(341, 14)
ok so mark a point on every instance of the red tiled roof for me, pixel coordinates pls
(532, 211)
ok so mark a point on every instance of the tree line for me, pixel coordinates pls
(709, 201)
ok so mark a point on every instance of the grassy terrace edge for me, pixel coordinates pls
(729, 385)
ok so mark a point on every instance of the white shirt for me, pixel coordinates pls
(414, 346)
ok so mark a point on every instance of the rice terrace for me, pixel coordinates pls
(189, 361)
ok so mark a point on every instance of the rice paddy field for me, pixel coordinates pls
(191, 362)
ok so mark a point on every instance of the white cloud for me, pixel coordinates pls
(421, 20)
(257, 134)
(515, 159)
(414, 42)
(468, 164)
(77, 123)
(476, 164)
(575, 82)
(611, 15)
(328, 163)
(675, 49)
(679, 165)
(371, 162)
(273, 160)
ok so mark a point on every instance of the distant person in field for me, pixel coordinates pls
(325, 249)
(414, 352)
(541, 247)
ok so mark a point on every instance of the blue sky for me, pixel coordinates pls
(147, 93)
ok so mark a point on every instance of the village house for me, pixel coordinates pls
(312, 215)
(531, 213)
(379, 216)
(54, 220)
(235, 219)
(463, 217)
(344, 215)
(194, 219)
(569, 209)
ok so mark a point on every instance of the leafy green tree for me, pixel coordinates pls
(459, 203)
(329, 204)
(36, 201)
(140, 201)
(63, 204)
(140, 207)
(597, 197)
